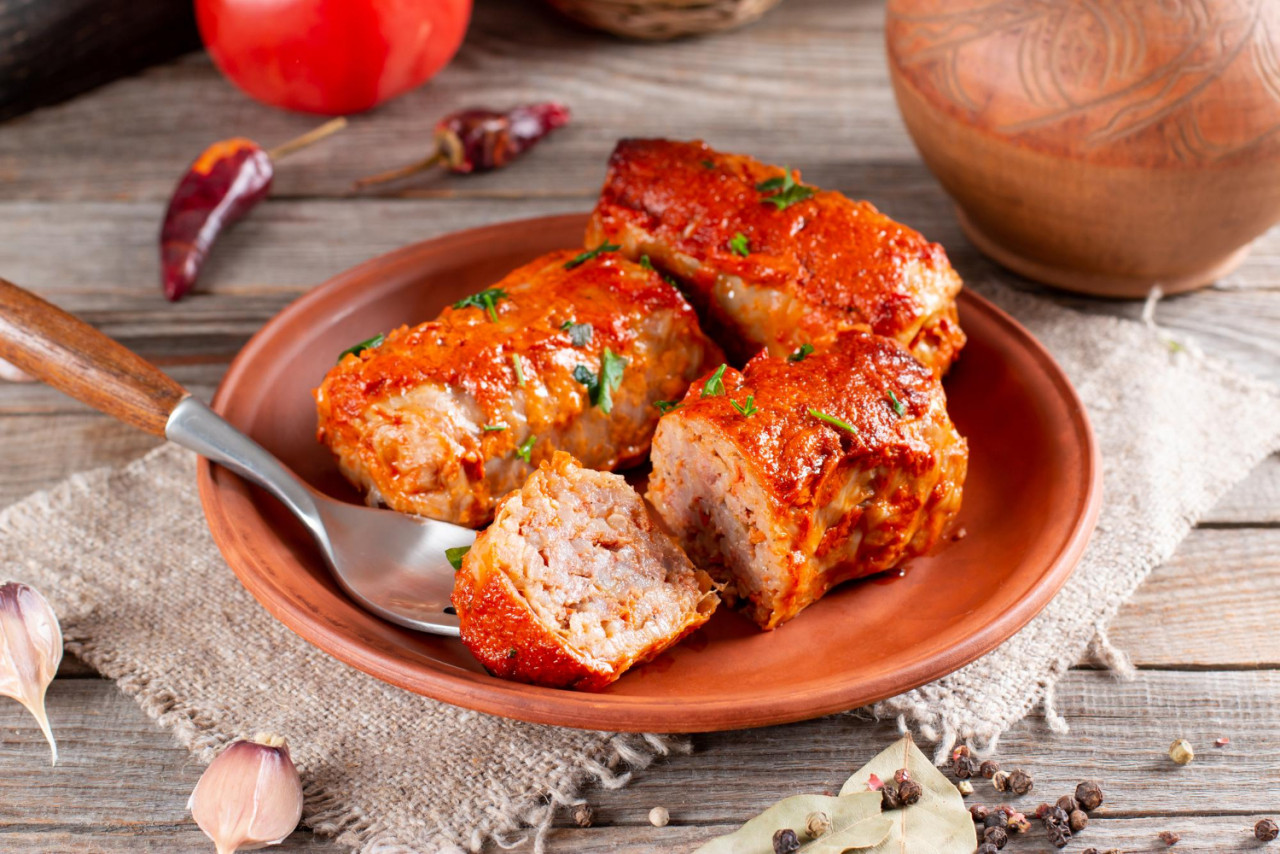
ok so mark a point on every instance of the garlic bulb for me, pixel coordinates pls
(249, 797)
(30, 651)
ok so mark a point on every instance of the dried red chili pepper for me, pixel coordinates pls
(478, 140)
(223, 184)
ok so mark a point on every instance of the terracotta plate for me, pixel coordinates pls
(1030, 504)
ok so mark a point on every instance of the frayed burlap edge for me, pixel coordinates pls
(204, 732)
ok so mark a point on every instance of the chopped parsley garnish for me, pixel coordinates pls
(665, 406)
(798, 355)
(740, 245)
(515, 363)
(601, 388)
(455, 556)
(715, 385)
(511, 653)
(834, 422)
(367, 344)
(526, 448)
(783, 192)
(708, 164)
(748, 409)
(494, 428)
(579, 333)
(648, 265)
(584, 257)
(485, 299)
(896, 404)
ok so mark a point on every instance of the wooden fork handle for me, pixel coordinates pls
(77, 359)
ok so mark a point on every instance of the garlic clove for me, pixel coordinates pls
(249, 797)
(30, 651)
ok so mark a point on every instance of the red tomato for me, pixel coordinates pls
(331, 56)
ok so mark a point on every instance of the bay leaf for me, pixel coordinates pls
(856, 825)
(939, 823)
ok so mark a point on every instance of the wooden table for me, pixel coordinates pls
(82, 189)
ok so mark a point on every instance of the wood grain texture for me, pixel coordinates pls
(73, 357)
(1121, 734)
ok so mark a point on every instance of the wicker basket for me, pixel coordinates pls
(663, 19)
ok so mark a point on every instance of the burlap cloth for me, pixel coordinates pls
(125, 558)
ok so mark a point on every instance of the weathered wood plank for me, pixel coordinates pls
(828, 102)
(1121, 732)
(1200, 834)
(1212, 605)
(1255, 500)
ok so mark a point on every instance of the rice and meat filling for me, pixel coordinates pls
(574, 583)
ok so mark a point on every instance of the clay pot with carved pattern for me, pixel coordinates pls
(1104, 147)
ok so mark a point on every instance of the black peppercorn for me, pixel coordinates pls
(1068, 803)
(785, 841)
(1266, 830)
(997, 836)
(909, 791)
(889, 799)
(987, 848)
(1168, 837)
(1090, 851)
(964, 767)
(583, 815)
(1089, 795)
(979, 812)
(1020, 782)
(1059, 834)
(997, 819)
(901, 774)
(1042, 811)
(1077, 821)
(1058, 815)
(988, 769)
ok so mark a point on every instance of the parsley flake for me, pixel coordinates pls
(494, 428)
(740, 245)
(486, 299)
(782, 192)
(798, 355)
(834, 422)
(584, 257)
(526, 448)
(896, 404)
(748, 409)
(515, 363)
(367, 344)
(579, 333)
(665, 406)
(511, 653)
(645, 262)
(601, 388)
(715, 385)
(708, 164)
(455, 556)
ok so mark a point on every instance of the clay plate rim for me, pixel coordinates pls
(616, 712)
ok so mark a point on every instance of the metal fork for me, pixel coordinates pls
(392, 564)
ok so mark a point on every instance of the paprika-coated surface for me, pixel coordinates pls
(769, 277)
(800, 474)
(444, 418)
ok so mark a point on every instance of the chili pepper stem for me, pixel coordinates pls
(311, 136)
(402, 172)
